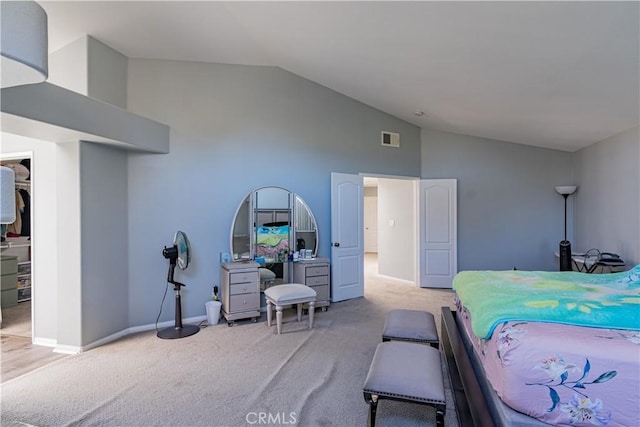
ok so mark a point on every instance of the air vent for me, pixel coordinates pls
(390, 139)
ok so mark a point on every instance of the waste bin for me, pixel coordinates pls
(213, 312)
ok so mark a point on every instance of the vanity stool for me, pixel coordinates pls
(407, 372)
(412, 326)
(289, 294)
(267, 278)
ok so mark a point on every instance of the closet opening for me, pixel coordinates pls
(16, 254)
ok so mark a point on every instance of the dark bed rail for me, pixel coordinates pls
(469, 400)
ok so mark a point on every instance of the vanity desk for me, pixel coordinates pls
(240, 291)
(314, 273)
(270, 224)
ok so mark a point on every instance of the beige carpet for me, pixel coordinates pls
(230, 376)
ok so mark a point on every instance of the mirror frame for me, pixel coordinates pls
(250, 201)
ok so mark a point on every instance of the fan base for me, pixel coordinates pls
(173, 332)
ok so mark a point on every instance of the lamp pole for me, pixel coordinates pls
(565, 245)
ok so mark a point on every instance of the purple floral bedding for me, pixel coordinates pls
(563, 374)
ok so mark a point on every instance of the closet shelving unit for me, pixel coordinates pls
(15, 246)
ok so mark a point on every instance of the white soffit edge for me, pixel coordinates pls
(52, 113)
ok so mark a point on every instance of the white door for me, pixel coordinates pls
(438, 232)
(347, 242)
(370, 224)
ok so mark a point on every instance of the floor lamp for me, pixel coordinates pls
(565, 245)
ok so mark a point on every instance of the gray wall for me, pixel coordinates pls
(608, 197)
(105, 258)
(235, 128)
(509, 213)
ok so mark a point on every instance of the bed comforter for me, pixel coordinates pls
(562, 373)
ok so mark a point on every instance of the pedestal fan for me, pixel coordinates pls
(179, 254)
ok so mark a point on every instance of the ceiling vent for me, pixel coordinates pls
(390, 139)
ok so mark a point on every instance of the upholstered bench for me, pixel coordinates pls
(289, 294)
(408, 372)
(411, 325)
(267, 278)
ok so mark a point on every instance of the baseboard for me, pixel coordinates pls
(395, 279)
(67, 349)
(45, 342)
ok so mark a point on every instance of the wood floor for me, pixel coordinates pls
(17, 354)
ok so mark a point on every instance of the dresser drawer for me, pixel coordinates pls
(243, 277)
(317, 271)
(9, 264)
(317, 280)
(9, 281)
(9, 298)
(322, 292)
(243, 288)
(244, 302)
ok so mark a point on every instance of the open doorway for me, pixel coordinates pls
(15, 251)
(390, 229)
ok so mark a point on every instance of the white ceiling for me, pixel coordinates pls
(553, 74)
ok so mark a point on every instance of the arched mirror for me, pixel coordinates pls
(271, 223)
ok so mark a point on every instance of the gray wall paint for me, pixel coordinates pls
(235, 128)
(105, 256)
(106, 73)
(608, 198)
(508, 211)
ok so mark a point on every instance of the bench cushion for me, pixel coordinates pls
(280, 294)
(266, 274)
(410, 325)
(408, 371)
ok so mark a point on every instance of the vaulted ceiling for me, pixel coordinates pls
(561, 75)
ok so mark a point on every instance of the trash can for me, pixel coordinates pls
(213, 312)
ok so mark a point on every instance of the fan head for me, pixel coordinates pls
(180, 252)
(181, 243)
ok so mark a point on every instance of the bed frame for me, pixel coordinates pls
(476, 403)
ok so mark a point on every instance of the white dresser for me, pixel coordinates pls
(240, 291)
(314, 273)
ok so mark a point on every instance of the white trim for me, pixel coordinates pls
(45, 342)
(113, 337)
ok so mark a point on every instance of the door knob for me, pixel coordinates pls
(336, 244)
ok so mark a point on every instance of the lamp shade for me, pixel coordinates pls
(566, 189)
(7, 196)
(23, 43)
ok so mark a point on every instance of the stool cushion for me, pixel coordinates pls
(280, 294)
(406, 370)
(410, 325)
(266, 274)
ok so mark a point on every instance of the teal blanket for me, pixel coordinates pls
(595, 300)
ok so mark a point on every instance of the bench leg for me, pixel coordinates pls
(299, 307)
(373, 408)
(268, 313)
(279, 318)
(312, 309)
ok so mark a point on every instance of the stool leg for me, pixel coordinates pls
(268, 313)
(439, 417)
(299, 306)
(373, 408)
(312, 309)
(279, 318)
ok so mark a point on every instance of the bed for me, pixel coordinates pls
(529, 348)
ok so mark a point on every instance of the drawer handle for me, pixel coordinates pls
(244, 289)
(244, 301)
